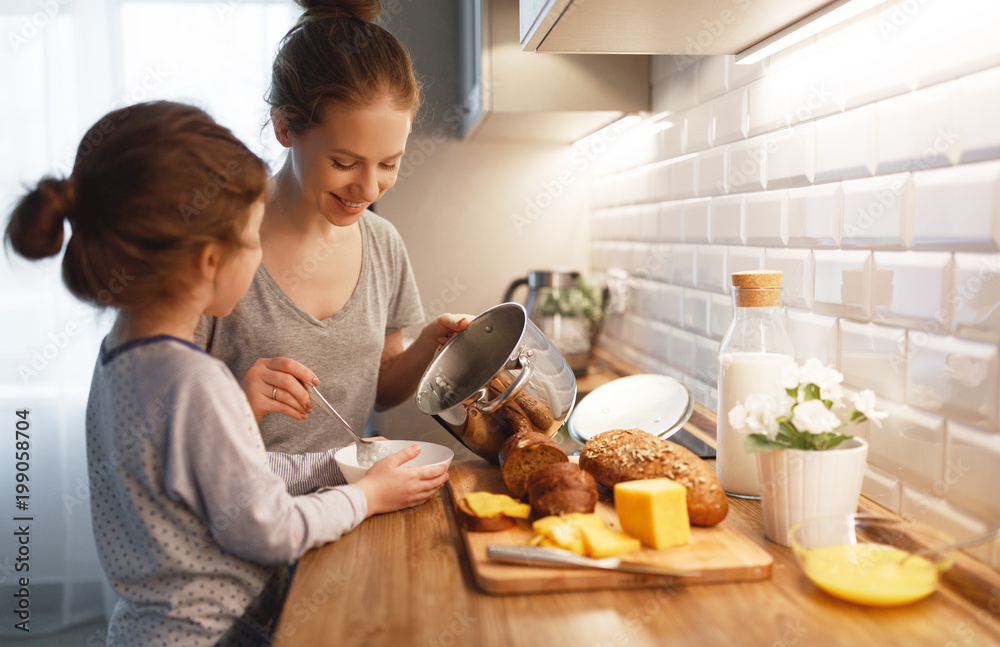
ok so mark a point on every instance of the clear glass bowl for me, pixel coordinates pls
(860, 558)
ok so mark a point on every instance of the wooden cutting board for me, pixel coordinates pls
(720, 553)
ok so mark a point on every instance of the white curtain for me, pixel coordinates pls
(64, 64)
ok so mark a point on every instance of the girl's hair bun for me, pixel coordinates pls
(365, 10)
(35, 229)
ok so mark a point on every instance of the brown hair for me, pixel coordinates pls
(151, 185)
(336, 53)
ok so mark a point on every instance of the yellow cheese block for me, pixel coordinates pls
(605, 542)
(654, 511)
(486, 504)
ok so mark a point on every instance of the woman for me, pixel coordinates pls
(335, 291)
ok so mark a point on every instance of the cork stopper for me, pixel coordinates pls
(757, 288)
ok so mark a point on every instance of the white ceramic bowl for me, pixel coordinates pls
(430, 454)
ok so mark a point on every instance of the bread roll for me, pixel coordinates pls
(538, 413)
(522, 454)
(632, 454)
(516, 420)
(561, 488)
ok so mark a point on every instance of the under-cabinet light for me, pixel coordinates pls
(823, 18)
(609, 132)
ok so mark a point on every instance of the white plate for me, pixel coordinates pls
(657, 404)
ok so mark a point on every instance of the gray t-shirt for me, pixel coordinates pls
(343, 350)
(192, 527)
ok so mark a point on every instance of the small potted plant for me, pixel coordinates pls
(807, 466)
(572, 318)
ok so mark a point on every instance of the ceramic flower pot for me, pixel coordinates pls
(797, 484)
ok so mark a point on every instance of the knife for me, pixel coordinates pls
(541, 556)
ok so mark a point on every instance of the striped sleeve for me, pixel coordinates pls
(305, 473)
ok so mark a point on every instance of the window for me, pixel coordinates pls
(63, 65)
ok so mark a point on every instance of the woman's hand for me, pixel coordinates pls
(388, 486)
(275, 385)
(445, 326)
(400, 370)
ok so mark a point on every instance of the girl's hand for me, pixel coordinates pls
(388, 486)
(446, 325)
(275, 385)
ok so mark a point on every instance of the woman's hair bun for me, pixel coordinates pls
(35, 229)
(366, 10)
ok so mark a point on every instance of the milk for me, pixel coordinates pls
(742, 374)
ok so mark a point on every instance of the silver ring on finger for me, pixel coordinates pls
(274, 393)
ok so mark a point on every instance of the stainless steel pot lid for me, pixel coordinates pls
(657, 404)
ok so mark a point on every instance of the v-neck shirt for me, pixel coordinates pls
(343, 350)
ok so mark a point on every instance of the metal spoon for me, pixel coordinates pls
(975, 541)
(369, 452)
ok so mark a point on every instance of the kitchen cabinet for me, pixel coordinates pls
(679, 27)
(509, 94)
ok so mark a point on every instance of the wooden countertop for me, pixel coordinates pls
(404, 579)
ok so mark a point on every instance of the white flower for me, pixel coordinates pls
(865, 403)
(790, 376)
(826, 378)
(813, 417)
(758, 415)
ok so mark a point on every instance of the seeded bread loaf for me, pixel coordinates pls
(632, 454)
(524, 453)
(561, 488)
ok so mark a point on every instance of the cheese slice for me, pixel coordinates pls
(605, 542)
(565, 531)
(486, 505)
(654, 511)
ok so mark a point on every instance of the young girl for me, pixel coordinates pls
(335, 289)
(192, 527)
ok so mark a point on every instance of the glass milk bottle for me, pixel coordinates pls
(751, 357)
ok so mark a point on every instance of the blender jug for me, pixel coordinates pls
(557, 304)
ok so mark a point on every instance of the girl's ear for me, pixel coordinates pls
(281, 132)
(208, 261)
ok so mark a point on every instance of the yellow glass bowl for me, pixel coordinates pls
(859, 557)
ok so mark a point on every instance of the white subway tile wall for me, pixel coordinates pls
(864, 164)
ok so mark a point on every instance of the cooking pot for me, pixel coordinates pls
(498, 376)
